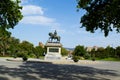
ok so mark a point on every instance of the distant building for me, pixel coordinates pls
(95, 47)
(41, 44)
(89, 49)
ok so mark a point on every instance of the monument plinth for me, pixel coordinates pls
(53, 47)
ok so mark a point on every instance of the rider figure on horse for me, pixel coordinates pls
(54, 36)
(55, 33)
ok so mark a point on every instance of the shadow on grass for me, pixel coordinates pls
(33, 70)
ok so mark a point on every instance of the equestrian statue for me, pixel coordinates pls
(54, 36)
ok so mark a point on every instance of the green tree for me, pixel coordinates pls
(25, 48)
(109, 51)
(79, 51)
(4, 41)
(14, 46)
(39, 51)
(100, 53)
(117, 51)
(93, 54)
(10, 13)
(64, 52)
(100, 14)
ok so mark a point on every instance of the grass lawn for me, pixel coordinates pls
(111, 59)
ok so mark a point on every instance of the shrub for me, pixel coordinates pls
(93, 59)
(81, 58)
(25, 58)
(75, 58)
(87, 56)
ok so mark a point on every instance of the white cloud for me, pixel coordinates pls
(40, 20)
(35, 15)
(32, 10)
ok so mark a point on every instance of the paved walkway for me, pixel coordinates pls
(36, 69)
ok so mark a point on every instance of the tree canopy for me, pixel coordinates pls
(100, 14)
(79, 51)
(10, 13)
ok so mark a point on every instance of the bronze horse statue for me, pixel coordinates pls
(54, 36)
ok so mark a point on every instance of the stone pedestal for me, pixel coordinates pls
(53, 51)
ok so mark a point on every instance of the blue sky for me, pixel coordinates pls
(44, 16)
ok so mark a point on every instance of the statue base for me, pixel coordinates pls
(52, 56)
(53, 51)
